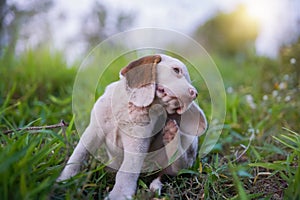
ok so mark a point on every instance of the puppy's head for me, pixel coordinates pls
(163, 73)
(174, 82)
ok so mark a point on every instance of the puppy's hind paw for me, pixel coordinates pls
(156, 186)
(169, 131)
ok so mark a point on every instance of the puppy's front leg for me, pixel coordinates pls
(127, 176)
(136, 143)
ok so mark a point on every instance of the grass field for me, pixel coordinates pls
(256, 157)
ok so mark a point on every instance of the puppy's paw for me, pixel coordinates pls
(156, 186)
(172, 105)
(170, 130)
(117, 197)
(170, 102)
(138, 115)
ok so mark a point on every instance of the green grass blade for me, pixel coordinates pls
(242, 195)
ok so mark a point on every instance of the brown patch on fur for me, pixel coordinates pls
(138, 115)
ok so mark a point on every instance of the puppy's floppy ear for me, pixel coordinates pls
(141, 79)
(193, 121)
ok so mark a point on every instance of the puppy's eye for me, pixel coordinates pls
(176, 70)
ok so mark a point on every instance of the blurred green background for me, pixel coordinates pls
(256, 157)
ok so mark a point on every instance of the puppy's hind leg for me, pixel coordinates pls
(74, 163)
(80, 153)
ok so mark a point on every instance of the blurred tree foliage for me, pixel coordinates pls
(229, 33)
(99, 24)
(28, 21)
(12, 16)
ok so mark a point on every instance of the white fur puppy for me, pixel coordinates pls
(146, 121)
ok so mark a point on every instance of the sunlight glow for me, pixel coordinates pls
(259, 10)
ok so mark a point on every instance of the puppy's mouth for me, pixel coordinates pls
(169, 100)
(180, 110)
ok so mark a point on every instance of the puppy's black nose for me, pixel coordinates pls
(193, 93)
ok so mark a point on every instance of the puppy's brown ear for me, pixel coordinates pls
(141, 79)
